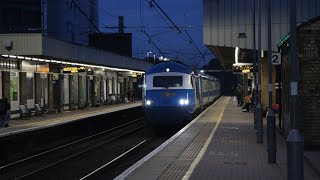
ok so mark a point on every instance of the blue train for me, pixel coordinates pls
(174, 93)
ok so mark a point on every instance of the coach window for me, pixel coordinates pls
(167, 81)
(192, 80)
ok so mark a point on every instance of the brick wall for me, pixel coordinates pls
(285, 93)
(308, 82)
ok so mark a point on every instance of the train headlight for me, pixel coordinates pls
(181, 101)
(184, 102)
(148, 102)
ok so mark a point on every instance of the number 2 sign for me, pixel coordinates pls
(276, 58)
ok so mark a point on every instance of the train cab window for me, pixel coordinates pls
(192, 80)
(167, 81)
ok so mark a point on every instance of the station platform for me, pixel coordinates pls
(18, 126)
(219, 144)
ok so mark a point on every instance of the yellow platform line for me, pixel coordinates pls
(205, 146)
(73, 117)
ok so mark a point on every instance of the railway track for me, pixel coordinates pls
(100, 170)
(79, 158)
(123, 161)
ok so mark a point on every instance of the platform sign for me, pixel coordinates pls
(242, 35)
(136, 75)
(73, 69)
(43, 76)
(239, 69)
(276, 59)
(90, 73)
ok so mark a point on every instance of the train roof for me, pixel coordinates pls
(206, 76)
(173, 66)
(177, 66)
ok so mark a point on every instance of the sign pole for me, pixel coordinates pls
(259, 106)
(271, 124)
(254, 92)
(295, 139)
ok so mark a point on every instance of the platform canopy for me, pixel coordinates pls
(229, 24)
(38, 45)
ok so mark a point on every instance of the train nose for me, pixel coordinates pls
(167, 115)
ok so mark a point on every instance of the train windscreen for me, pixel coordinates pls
(167, 81)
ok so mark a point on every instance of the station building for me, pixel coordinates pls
(229, 33)
(45, 57)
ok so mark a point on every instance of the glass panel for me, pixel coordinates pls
(167, 81)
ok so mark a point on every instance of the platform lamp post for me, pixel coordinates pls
(295, 140)
(255, 117)
(148, 55)
(271, 120)
(259, 106)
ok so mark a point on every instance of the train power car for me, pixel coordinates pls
(174, 93)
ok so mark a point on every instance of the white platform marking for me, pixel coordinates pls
(205, 147)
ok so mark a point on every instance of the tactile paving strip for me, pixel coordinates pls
(181, 165)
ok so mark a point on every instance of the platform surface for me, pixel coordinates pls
(219, 144)
(49, 120)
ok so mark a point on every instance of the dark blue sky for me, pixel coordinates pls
(173, 45)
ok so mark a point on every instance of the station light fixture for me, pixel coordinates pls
(71, 63)
(236, 55)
